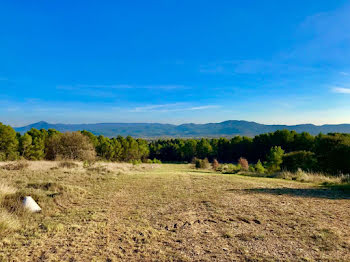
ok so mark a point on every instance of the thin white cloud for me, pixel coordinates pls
(345, 73)
(175, 107)
(204, 107)
(156, 107)
(341, 90)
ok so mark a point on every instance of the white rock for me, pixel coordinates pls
(30, 204)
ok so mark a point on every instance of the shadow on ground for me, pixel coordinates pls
(299, 192)
(201, 171)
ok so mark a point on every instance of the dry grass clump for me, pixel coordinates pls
(99, 169)
(8, 223)
(67, 164)
(311, 177)
(345, 179)
(17, 165)
(6, 190)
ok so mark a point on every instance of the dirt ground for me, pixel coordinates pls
(169, 212)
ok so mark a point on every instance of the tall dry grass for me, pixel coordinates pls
(310, 177)
(8, 222)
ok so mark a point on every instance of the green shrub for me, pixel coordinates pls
(202, 163)
(231, 168)
(259, 168)
(154, 161)
(136, 162)
(251, 168)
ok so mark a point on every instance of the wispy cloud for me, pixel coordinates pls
(149, 108)
(84, 86)
(341, 90)
(345, 73)
(175, 107)
(203, 107)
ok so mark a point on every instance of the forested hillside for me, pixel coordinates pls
(153, 130)
(327, 153)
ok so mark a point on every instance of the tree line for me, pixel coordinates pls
(325, 152)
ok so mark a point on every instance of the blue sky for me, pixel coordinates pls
(284, 62)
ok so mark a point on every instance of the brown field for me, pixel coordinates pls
(148, 212)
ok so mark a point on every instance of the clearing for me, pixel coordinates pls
(170, 212)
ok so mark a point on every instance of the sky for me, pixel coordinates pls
(167, 61)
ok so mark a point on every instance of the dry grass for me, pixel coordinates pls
(67, 164)
(16, 165)
(8, 223)
(311, 177)
(125, 212)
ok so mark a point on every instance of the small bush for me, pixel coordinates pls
(18, 165)
(251, 169)
(136, 162)
(154, 161)
(259, 168)
(67, 164)
(87, 163)
(202, 163)
(215, 165)
(230, 169)
(243, 163)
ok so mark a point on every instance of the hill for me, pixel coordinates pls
(152, 130)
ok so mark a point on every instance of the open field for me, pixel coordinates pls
(149, 212)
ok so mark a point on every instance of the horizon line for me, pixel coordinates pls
(186, 123)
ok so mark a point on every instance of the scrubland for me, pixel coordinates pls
(167, 212)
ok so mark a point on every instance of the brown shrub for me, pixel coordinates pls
(243, 163)
(215, 164)
(71, 145)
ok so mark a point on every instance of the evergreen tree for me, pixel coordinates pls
(275, 158)
(25, 145)
(8, 143)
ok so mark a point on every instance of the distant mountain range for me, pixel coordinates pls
(153, 130)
